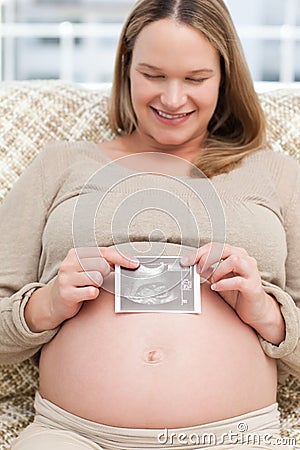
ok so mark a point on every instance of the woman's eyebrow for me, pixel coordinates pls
(158, 69)
(201, 71)
(149, 66)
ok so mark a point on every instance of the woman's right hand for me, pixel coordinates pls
(79, 278)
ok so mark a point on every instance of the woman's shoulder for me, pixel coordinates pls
(274, 164)
(281, 171)
(66, 151)
(62, 162)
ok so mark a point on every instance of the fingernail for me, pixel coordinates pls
(134, 261)
(213, 287)
(184, 260)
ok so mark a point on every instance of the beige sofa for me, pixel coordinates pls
(33, 113)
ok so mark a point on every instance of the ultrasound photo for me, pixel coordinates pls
(159, 284)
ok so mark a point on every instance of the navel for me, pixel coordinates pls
(153, 355)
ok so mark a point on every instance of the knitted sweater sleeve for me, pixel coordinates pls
(288, 352)
(22, 219)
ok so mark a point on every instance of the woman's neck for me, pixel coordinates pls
(137, 143)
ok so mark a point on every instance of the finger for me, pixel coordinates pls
(206, 255)
(87, 293)
(211, 260)
(111, 254)
(191, 258)
(208, 262)
(98, 264)
(235, 283)
(91, 278)
(233, 264)
(233, 250)
(74, 294)
(84, 258)
(114, 257)
(85, 252)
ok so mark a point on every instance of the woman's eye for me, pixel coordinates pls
(148, 75)
(196, 80)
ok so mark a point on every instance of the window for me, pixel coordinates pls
(76, 40)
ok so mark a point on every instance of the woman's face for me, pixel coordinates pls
(175, 76)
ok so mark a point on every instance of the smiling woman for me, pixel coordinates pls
(182, 92)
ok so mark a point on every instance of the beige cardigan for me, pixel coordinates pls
(259, 200)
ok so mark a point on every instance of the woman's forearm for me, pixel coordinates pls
(37, 312)
(271, 325)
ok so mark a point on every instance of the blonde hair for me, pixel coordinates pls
(237, 127)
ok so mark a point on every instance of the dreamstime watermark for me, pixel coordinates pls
(240, 436)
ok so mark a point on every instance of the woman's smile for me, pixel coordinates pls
(171, 119)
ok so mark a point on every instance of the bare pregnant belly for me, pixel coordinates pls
(157, 370)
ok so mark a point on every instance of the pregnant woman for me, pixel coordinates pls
(189, 157)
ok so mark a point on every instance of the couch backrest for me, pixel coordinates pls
(34, 113)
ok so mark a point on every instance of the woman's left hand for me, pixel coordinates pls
(235, 276)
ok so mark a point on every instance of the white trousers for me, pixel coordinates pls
(56, 429)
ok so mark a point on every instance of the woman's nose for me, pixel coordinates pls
(173, 96)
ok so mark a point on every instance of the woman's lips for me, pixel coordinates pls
(171, 118)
